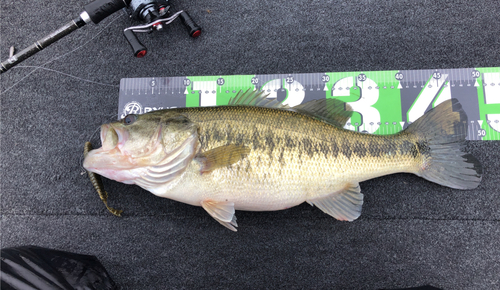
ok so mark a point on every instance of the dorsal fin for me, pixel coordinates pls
(255, 98)
(332, 111)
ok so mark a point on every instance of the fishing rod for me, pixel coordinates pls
(153, 13)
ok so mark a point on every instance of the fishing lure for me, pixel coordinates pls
(97, 183)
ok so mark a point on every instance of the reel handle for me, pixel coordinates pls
(194, 30)
(139, 49)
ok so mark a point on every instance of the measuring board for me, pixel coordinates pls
(384, 102)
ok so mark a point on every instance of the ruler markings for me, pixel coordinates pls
(166, 92)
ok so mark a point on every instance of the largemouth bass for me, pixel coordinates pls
(258, 155)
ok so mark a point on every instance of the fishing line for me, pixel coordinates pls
(72, 76)
(63, 55)
(93, 136)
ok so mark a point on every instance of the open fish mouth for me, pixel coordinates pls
(112, 137)
(119, 160)
(109, 157)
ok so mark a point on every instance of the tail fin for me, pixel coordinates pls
(440, 135)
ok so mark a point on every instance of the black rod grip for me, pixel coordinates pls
(139, 49)
(41, 44)
(100, 9)
(194, 30)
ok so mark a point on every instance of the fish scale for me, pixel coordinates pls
(279, 154)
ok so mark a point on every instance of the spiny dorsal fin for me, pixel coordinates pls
(222, 156)
(332, 111)
(255, 98)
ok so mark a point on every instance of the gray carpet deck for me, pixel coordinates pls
(411, 232)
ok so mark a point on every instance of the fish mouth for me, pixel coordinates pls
(113, 160)
(109, 160)
(112, 137)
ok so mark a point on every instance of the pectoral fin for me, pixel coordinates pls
(222, 156)
(223, 212)
(344, 205)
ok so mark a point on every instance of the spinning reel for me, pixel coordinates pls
(156, 14)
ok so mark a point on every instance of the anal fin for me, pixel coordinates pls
(344, 205)
(223, 212)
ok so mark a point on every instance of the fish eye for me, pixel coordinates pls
(129, 119)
